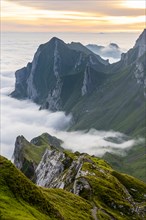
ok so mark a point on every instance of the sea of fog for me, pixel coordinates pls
(24, 117)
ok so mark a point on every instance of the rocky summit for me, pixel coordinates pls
(54, 66)
(99, 95)
(109, 194)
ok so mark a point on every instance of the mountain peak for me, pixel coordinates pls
(141, 39)
(114, 45)
(141, 43)
(55, 39)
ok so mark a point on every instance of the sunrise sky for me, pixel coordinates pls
(73, 15)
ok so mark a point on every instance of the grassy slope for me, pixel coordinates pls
(118, 105)
(134, 163)
(106, 192)
(34, 152)
(21, 199)
(111, 190)
(69, 205)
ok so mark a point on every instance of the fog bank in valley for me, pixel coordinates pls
(24, 118)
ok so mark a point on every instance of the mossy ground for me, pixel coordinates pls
(133, 163)
(69, 205)
(21, 199)
(115, 195)
(32, 152)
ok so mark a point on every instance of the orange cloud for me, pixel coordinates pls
(16, 16)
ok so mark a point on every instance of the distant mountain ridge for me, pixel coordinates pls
(71, 78)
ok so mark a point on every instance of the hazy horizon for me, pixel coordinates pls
(99, 38)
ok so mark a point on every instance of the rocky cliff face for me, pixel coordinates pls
(141, 43)
(21, 199)
(27, 155)
(135, 58)
(114, 195)
(140, 69)
(44, 81)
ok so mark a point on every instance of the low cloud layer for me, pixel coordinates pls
(96, 142)
(112, 51)
(24, 118)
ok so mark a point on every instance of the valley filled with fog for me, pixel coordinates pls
(25, 118)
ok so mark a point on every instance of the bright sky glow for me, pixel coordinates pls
(19, 15)
(135, 3)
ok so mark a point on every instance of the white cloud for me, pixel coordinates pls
(24, 118)
(112, 51)
(95, 142)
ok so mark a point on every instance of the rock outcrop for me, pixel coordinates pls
(112, 194)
